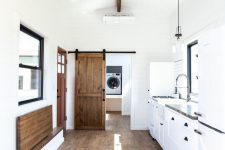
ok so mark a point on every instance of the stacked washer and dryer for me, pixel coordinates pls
(114, 80)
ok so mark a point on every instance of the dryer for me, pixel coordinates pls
(113, 83)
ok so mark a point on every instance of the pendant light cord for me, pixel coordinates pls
(178, 13)
(178, 34)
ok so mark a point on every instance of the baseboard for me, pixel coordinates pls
(69, 128)
(55, 143)
(139, 127)
(125, 114)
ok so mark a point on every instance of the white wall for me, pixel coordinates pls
(11, 14)
(70, 109)
(62, 25)
(149, 35)
(196, 16)
(8, 80)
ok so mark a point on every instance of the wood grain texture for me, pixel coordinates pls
(118, 5)
(33, 127)
(89, 92)
(117, 136)
(61, 89)
(48, 138)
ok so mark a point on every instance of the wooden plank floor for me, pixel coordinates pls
(117, 136)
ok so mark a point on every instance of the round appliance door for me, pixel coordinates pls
(113, 82)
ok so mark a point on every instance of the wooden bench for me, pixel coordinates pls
(34, 130)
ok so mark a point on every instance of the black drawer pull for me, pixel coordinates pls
(172, 118)
(186, 139)
(161, 124)
(186, 124)
(198, 114)
(198, 132)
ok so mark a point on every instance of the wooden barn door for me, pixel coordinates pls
(90, 92)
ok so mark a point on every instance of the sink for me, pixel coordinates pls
(172, 101)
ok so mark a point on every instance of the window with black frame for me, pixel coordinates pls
(193, 67)
(31, 50)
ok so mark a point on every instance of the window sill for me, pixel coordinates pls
(29, 101)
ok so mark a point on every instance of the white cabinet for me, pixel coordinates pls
(150, 116)
(172, 133)
(157, 131)
(156, 123)
(159, 124)
(212, 77)
(161, 134)
(161, 84)
(210, 140)
(179, 132)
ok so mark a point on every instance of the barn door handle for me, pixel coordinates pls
(103, 92)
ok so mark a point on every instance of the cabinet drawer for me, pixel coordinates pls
(173, 128)
(181, 131)
(183, 122)
(188, 141)
(187, 124)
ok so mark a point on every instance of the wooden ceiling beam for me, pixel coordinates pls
(118, 5)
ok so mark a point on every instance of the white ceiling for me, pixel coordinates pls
(163, 7)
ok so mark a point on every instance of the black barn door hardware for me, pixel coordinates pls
(104, 52)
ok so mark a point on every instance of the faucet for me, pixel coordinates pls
(188, 86)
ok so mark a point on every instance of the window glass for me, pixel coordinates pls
(20, 82)
(63, 69)
(63, 61)
(59, 68)
(59, 58)
(193, 67)
(29, 84)
(29, 50)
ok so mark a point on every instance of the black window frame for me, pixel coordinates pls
(31, 33)
(189, 46)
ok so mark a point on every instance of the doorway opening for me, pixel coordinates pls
(61, 88)
(118, 92)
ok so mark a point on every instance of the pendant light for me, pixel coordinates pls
(178, 34)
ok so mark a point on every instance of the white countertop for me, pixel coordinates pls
(180, 105)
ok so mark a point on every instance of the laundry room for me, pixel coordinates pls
(118, 83)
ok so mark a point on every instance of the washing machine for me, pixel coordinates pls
(113, 83)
